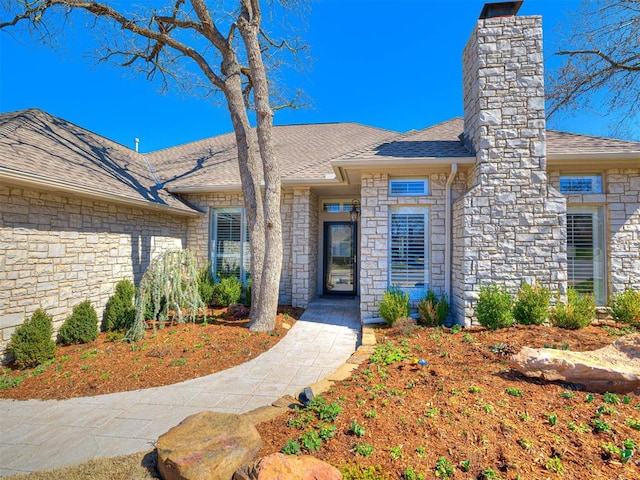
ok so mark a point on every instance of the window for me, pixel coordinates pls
(406, 187)
(409, 254)
(580, 184)
(585, 251)
(336, 206)
(229, 243)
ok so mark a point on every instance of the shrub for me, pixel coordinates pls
(394, 305)
(433, 310)
(120, 311)
(227, 291)
(626, 307)
(31, 343)
(532, 304)
(576, 313)
(81, 326)
(206, 285)
(494, 308)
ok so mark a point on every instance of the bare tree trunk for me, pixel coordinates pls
(265, 310)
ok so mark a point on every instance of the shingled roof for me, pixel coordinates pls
(42, 150)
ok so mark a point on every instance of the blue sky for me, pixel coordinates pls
(393, 64)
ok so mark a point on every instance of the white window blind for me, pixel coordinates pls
(408, 256)
(408, 186)
(580, 184)
(230, 244)
(585, 254)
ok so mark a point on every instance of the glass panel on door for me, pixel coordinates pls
(339, 258)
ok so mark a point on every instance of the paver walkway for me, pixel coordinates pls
(37, 435)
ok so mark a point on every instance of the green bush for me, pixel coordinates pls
(206, 285)
(626, 307)
(394, 305)
(120, 310)
(433, 310)
(532, 304)
(227, 291)
(577, 313)
(31, 343)
(495, 307)
(81, 326)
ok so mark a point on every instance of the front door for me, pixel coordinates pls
(339, 258)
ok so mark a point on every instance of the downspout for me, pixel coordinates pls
(447, 233)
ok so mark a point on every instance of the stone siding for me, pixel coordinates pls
(621, 202)
(511, 226)
(57, 251)
(304, 247)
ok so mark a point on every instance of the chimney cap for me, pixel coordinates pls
(500, 9)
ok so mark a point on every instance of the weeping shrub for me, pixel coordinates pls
(494, 308)
(81, 326)
(577, 313)
(433, 311)
(227, 291)
(170, 283)
(532, 304)
(120, 311)
(394, 305)
(625, 307)
(32, 343)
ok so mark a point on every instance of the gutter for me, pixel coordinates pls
(447, 232)
(39, 182)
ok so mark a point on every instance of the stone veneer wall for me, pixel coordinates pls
(57, 251)
(198, 230)
(621, 202)
(374, 234)
(304, 261)
(510, 226)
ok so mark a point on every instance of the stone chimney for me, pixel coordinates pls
(510, 226)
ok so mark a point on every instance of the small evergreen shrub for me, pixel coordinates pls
(626, 307)
(120, 310)
(577, 313)
(495, 307)
(532, 304)
(31, 343)
(433, 310)
(81, 326)
(206, 285)
(394, 305)
(227, 291)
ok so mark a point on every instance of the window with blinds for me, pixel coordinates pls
(585, 254)
(408, 245)
(407, 187)
(580, 184)
(230, 244)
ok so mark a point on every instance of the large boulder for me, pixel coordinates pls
(614, 368)
(288, 467)
(207, 446)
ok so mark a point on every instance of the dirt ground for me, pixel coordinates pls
(175, 353)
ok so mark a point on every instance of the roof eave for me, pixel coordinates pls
(35, 181)
(594, 160)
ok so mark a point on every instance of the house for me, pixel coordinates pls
(494, 197)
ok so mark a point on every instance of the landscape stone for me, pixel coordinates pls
(207, 446)
(614, 368)
(278, 466)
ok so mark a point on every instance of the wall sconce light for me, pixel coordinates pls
(355, 210)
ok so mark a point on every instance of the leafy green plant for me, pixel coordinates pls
(363, 449)
(394, 305)
(301, 420)
(494, 307)
(311, 441)
(568, 394)
(9, 381)
(633, 423)
(410, 474)
(291, 448)
(358, 472)
(227, 291)
(31, 343)
(625, 307)
(325, 432)
(552, 418)
(395, 452)
(206, 285)
(444, 468)
(611, 398)
(600, 426)
(514, 392)
(120, 312)
(327, 412)
(532, 304)
(433, 310)
(356, 429)
(554, 464)
(465, 465)
(387, 353)
(489, 474)
(577, 313)
(81, 326)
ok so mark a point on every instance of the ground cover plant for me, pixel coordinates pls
(443, 403)
(172, 354)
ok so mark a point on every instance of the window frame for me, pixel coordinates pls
(398, 180)
(597, 183)
(244, 252)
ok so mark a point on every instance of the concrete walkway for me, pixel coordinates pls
(38, 435)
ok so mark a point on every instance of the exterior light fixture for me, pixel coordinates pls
(500, 9)
(355, 210)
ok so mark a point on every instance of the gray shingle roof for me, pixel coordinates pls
(573, 143)
(39, 147)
